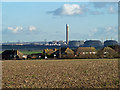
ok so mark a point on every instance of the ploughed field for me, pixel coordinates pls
(77, 73)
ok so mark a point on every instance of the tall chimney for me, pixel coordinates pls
(67, 33)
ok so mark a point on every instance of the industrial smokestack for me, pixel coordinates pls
(67, 33)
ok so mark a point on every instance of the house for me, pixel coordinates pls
(24, 56)
(64, 53)
(48, 51)
(12, 54)
(35, 56)
(85, 50)
(86, 53)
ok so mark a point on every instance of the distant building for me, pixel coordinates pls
(92, 43)
(67, 33)
(50, 43)
(61, 42)
(75, 43)
(110, 42)
(53, 43)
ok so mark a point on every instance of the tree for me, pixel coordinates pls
(106, 52)
(67, 53)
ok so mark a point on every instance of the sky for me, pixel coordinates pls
(39, 21)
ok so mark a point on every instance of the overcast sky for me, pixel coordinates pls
(25, 21)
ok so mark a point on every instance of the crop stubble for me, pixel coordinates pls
(60, 74)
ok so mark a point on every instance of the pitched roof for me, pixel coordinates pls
(86, 49)
(64, 50)
(108, 49)
(48, 51)
(8, 53)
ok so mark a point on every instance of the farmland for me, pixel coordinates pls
(27, 52)
(79, 73)
(31, 51)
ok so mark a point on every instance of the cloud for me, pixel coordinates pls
(68, 9)
(103, 0)
(104, 32)
(76, 9)
(112, 10)
(95, 12)
(94, 30)
(16, 29)
(103, 4)
(32, 28)
(21, 29)
(99, 4)
(111, 7)
(109, 28)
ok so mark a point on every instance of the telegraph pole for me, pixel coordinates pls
(60, 52)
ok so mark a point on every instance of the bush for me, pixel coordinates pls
(107, 52)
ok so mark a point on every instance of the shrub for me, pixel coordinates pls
(107, 52)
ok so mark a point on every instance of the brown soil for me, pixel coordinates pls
(60, 74)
